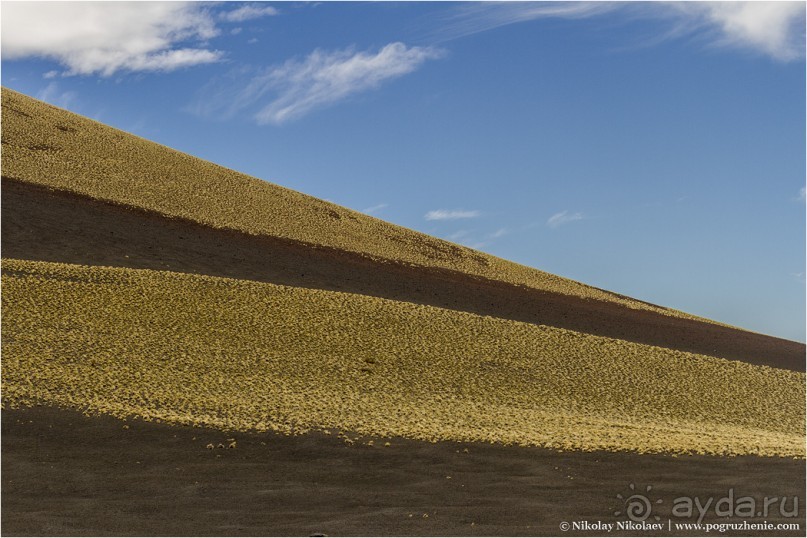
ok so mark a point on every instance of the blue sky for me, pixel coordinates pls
(654, 149)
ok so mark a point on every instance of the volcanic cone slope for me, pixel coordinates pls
(158, 309)
(255, 354)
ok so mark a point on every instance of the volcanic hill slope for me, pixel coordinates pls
(154, 303)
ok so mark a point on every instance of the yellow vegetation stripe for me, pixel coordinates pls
(48, 146)
(241, 355)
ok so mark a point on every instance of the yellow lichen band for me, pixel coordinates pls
(241, 355)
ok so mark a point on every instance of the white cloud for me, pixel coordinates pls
(559, 219)
(451, 214)
(53, 95)
(501, 232)
(107, 37)
(373, 209)
(247, 12)
(291, 90)
(772, 28)
(802, 194)
(50, 74)
(326, 77)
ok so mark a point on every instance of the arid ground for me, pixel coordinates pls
(67, 474)
(79, 458)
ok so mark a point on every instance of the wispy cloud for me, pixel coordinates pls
(374, 209)
(476, 240)
(472, 18)
(291, 90)
(107, 37)
(451, 214)
(247, 12)
(772, 28)
(564, 217)
(53, 95)
(802, 194)
(324, 78)
(458, 235)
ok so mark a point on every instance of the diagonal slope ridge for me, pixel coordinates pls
(55, 148)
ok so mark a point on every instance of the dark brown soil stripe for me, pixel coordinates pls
(67, 474)
(47, 225)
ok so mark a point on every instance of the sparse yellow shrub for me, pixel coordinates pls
(240, 355)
